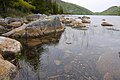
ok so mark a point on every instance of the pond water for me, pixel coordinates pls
(75, 54)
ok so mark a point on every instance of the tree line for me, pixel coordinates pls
(19, 7)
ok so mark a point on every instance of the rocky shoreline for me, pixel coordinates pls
(31, 27)
(36, 25)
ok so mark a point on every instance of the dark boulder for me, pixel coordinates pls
(3, 30)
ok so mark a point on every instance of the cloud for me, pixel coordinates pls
(95, 5)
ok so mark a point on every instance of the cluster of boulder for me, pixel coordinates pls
(37, 28)
(35, 25)
(77, 22)
(81, 21)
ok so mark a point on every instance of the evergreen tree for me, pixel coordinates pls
(55, 8)
(28, 6)
(61, 10)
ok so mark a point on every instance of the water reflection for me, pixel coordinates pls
(30, 60)
(119, 54)
(77, 54)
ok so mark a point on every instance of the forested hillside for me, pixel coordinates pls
(114, 10)
(70, 8)
(24, 7)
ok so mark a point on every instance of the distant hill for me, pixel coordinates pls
(114, 10)
(70, 8)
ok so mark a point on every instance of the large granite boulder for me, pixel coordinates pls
(35, 17)
(9, 45)
(37, 28)
(7, 70)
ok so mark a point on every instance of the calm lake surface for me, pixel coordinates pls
(75, 54)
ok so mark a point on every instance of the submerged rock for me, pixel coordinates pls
(7, 70)
(57, 62)
(107, 76)
(108, 65)
(37, 28)
(9, 45)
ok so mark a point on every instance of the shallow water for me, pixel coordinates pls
(75, 54)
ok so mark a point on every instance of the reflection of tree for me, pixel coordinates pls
(29, 61)
(85, 39)
(46, 39)
(32, 53)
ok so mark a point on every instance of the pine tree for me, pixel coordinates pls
(61, 10)
(55, 8)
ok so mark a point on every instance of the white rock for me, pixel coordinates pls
(7, 44)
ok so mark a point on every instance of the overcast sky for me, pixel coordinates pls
(95, 5)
